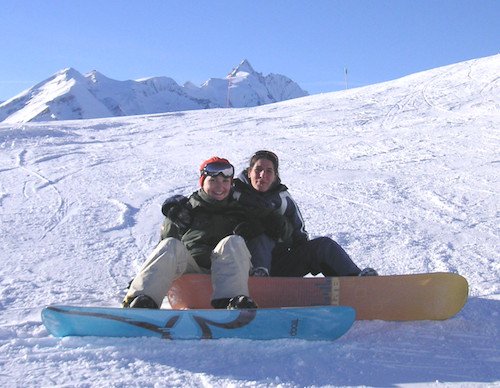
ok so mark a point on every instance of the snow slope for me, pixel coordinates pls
(403, 174)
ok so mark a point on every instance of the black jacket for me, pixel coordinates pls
(277, 198)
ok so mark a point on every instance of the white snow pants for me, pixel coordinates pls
(170, 259)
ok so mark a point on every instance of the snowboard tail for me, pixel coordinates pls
(309, 323)
(431, 296)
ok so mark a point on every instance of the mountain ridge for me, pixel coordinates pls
(71, 95)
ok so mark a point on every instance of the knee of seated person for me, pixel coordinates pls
(167, 244)
(234, 245)
(172, 250)
(233, 240)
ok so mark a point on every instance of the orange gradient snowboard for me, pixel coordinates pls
(432, 296)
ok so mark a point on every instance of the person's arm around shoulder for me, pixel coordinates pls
(178, 216)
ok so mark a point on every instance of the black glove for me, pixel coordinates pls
(248, 229)
(254, 201)
(275, 224)
(180, 216)
(177, 210)
(175, 200)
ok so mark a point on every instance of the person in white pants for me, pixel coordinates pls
(197, 237)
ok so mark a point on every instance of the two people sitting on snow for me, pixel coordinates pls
(253, 228)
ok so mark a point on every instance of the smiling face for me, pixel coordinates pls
(217, 187)
(262, 175)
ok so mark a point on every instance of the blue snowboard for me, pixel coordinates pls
(310, 323)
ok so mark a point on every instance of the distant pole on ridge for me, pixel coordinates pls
(228, 102)
(345, 78)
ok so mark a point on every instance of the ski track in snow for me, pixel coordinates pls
(403, 174)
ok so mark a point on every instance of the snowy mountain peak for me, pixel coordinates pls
(242, 69)
(69, 73)
(61, 78)
(95, 77)
(69, 95)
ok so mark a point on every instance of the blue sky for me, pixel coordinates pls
(310, 41)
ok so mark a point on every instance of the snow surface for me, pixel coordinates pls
(403, 174)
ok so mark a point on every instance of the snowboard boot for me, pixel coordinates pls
(237, 302)
(241, 302)
(141, 302)
(368, 272)
(259, 272)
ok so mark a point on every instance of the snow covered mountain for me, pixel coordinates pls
(69, 95)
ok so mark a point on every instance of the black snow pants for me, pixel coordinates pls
(320, 255)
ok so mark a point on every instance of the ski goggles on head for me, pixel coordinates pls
(218, 168)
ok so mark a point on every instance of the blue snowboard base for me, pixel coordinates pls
(309, 323)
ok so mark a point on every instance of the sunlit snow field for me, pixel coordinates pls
(404, 175)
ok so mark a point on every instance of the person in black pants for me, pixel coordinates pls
(284, 248)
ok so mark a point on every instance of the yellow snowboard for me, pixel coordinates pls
(431, 296)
